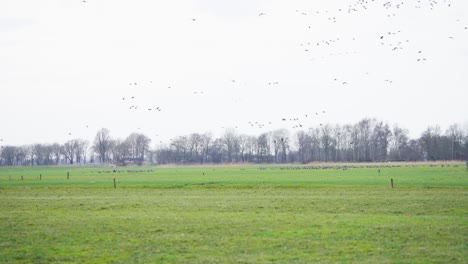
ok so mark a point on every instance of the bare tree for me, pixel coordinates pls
(121, 151)
(81, 150)
(131, 142)
(364, 134)
(455, 134)
(142, 145)
(56, 152)
(69, 150)
(38, 152)
(251, 146)
(20, 156)
(430, 140)
(206, 140)
(195, 142)
(263, 148)
(9, 155)
(315, 150)
(30, 154)
(398, 143)
(230, 140)
(280, 142)
(348, 143)
(303, 144)
(179, 146)
(102, 144)
(380, 142)
(243, 146)
(338, 136)
(218, 152)
(326, 141)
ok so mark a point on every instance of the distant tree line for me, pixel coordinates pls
(369, 140)
(104, 149)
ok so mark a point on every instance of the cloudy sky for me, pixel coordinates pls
(206, 65)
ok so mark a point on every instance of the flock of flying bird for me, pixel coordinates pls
(388, 39)
(391, 39)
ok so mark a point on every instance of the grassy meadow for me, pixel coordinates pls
(234, 214)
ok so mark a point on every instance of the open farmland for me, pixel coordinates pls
(262, 213)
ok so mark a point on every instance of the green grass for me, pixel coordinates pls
(233, 214)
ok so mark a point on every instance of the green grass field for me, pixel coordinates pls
(234, 214)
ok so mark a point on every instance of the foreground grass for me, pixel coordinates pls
(234, 214)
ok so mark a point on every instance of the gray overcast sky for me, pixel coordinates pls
(65, 65)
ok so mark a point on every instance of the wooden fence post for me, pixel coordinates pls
(68, 175)
(115, 186)
(391, 182)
